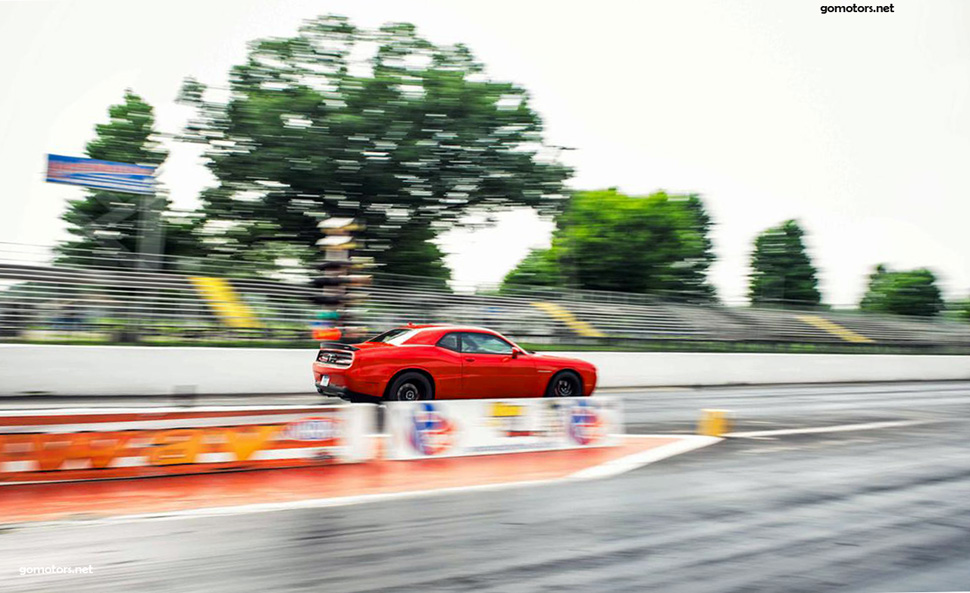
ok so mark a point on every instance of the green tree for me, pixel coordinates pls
(781, 270)
(964, 309)
(539, 268)
(905, 292)
(413, 254)
(408, 140)
(606, 240)
(105, 225)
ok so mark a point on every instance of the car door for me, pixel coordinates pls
(447, 367)
(489, 369)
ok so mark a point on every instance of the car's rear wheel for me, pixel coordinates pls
(565, 384)
(410, 387)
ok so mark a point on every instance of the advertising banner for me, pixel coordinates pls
(58, 445)
(452, 428)
(109, 175)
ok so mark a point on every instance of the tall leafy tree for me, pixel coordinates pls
(106, 225)
(904, 292)
(781, 270)
(381, 125)
(540, 267)
(963, 310)
(413, 254)
(698, 251)
(606, 240)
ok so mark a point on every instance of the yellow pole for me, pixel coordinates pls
(713, 423)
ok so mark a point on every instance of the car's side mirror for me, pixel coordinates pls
(517, 352)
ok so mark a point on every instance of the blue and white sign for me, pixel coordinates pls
(121, 177)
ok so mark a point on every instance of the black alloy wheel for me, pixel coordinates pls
(565, 384)
(410, 387)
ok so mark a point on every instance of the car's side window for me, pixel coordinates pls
(450, 342)
(484, 344)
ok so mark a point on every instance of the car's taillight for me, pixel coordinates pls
(341, 358)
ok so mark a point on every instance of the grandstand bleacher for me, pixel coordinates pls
(102, 303)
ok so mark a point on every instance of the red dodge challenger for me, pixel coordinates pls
(445, 362)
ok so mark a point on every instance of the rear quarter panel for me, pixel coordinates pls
(379, 365)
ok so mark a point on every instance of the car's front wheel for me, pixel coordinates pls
(565, 384)
(410, 387)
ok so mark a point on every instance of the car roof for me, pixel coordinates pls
(448, 327)
(428, 333)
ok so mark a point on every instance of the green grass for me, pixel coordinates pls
(754, 347)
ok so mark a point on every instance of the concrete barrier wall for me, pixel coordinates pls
(143, 370)
(626, 369)
(136, 370)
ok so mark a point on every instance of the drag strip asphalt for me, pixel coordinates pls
(885, 508)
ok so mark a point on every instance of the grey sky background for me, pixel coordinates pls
(855, 124)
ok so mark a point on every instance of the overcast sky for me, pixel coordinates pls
(857, 125)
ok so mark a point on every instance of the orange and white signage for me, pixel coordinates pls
(43, 446)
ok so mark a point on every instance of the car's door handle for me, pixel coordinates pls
(469, 360)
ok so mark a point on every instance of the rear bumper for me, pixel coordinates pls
(340, 384)
(344, 393)
(333, 391)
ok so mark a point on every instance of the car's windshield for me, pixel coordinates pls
(395, 336)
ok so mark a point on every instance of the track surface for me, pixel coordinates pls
(868, 511)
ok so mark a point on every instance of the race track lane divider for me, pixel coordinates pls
(225, 302)
(834, 328)
(559, 313)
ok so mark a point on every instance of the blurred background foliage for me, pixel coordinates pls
(381, 125)
(606, 240)
(781, 270)
(105, 224)
(910, 292)
(411, 139)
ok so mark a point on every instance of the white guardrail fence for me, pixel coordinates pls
(165, 371)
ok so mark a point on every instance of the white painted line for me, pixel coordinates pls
(758, 434)
(615, 467)
(646, 389)
(631, 462)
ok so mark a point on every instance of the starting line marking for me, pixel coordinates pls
(758, 434)
(607, 469)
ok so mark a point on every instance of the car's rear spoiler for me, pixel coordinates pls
(338, 346)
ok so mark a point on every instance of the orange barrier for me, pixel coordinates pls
(44, 446)
(326, 485)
